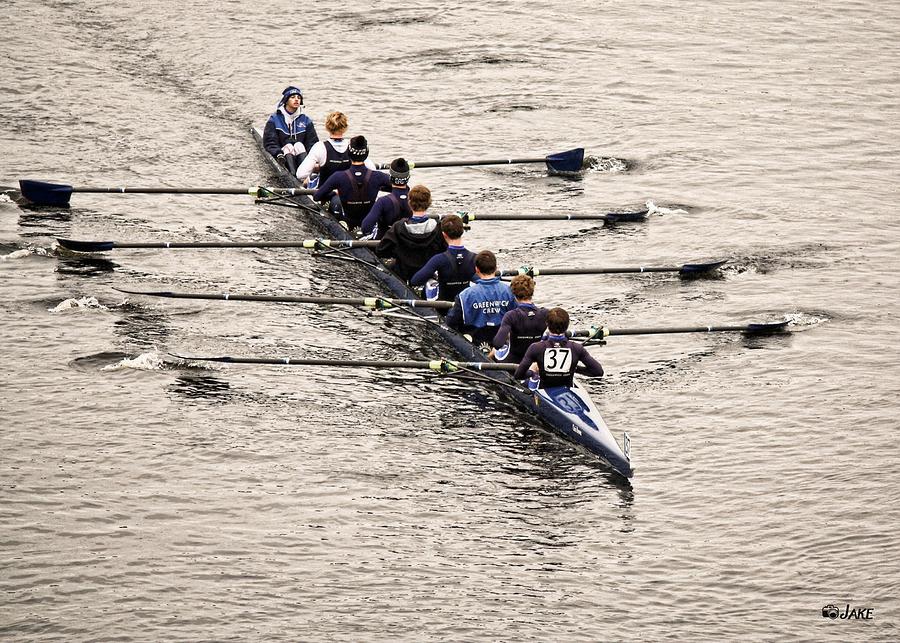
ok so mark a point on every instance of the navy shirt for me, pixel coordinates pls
(387, 211)
(557, 359)
(455, 268)
(521, 327)
(357, 188)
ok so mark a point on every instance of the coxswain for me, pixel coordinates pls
(413, 241)
(391, 207)
(357, 187)
(478, 310)
(455, 266)
(289, 133)
(328, 156)
(557, 358)
(521, 326)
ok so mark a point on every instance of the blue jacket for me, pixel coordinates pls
(278, 133)
(479, 309)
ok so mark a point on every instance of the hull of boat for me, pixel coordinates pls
(570, 412)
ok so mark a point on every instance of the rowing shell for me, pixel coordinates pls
(568, 411)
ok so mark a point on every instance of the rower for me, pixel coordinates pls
(356, 187)
(556, 357)
(329, 156)
(478, 310)
(391, 207)
(289, 133)
(521, 326)
(455, 267)
(412, 242)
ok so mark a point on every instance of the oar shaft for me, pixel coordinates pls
(773, 327)
(537, 272)
(312, 244)
(369, 302)
(424, 164)
(675, 330)
(190, 190)
(447, 365)
(206, 244)
(535, 217)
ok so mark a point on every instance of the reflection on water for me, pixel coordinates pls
(85, 266)
(201, 387)
(773, 342)
(564, 242)
(46, 221)
(98, 361)
(141, 326)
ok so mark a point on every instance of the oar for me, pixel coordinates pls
(58, 194)
(365, 302)
(609, 217)
(105, 246)
(439, 365)
(566, 162)
(750, 329)
(687, 269)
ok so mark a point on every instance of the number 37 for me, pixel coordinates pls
(557, 360)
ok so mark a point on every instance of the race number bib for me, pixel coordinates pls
(557, 361)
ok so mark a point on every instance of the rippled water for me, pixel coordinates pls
(145, 498)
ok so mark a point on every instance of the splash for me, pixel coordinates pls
(84, 303)
(652, 208)
(734, 268)
(804, 320)
(144, 362)
(26, 252)
(604, 164)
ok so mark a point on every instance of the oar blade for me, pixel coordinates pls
(767, 329)
(43, 193)
(626, 217)
(568, 162)
(698, 269)
(187, 358)
(85, 246)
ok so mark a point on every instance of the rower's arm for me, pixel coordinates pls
(312, 159)
(454, 316)
(524, 366)
(502, 336)
(324, 192)
(270, 139)
(591, 368)
(425, 272)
